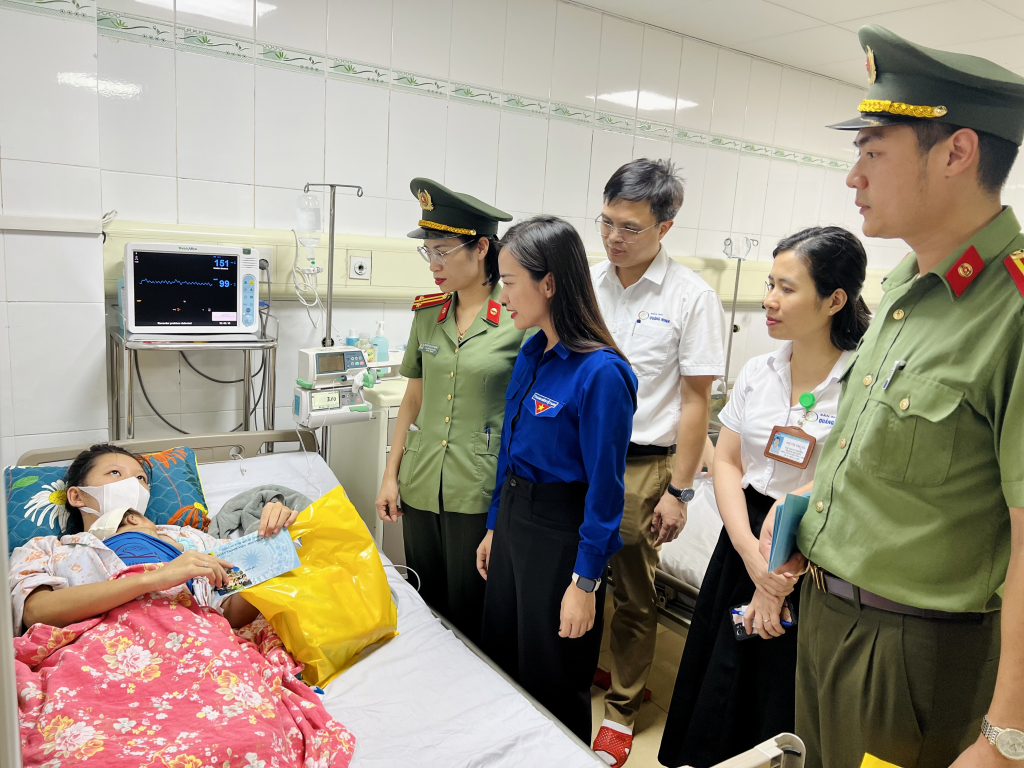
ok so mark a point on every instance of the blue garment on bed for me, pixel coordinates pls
(134, 548)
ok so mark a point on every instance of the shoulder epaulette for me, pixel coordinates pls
(1015, 264)
(429, 300)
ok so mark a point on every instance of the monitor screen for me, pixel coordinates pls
(189, 289)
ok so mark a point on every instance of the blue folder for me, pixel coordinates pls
(787, 522)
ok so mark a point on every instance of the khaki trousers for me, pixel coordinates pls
(634, 625)
(910, 691)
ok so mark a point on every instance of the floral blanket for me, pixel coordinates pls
(161, 681)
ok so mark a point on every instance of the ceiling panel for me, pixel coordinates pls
(1013, 7)
(809, 47)
(945, 24)
(834, 11)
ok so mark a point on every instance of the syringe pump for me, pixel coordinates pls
(329, 387)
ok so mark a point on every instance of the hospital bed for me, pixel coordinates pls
(427, 697)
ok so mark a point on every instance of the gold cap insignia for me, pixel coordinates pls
(425, 202)
(870, 63)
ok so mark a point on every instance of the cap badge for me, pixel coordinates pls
(425, 202)
(870, 63)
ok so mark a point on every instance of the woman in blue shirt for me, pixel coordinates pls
(554, 518)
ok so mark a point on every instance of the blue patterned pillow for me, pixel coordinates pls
(36, 496)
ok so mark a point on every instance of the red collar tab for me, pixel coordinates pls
(444, 310)
(1015, 264)
(430, 300)
(493, 313)
(965, 271)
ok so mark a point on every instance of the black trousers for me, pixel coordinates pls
(441, 548)
(533, 554)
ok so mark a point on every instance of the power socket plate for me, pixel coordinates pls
(359, 267)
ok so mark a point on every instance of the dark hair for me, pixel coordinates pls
(655, 181)
(836, 259)
(491, 259)
(79, 470)
(549, 245)
(995, 155)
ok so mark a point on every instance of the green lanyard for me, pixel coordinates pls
(807, 401)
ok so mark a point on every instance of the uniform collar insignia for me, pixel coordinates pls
(443, 314)
(965, 271)
(493, 315)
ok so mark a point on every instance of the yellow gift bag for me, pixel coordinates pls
(337, 601)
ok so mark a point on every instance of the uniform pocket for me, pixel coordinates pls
(648, 348)
(908, 431)
(486, 448)
(409, 457)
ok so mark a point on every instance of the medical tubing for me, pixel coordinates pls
(217, 381)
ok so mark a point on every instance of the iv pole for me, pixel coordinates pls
(727, 250)
(328, 340)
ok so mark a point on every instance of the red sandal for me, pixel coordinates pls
(613, 745)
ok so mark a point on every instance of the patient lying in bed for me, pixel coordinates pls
(128, 650)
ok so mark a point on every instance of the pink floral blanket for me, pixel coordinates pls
(161, 681)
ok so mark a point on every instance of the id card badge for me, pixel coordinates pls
(790, 445)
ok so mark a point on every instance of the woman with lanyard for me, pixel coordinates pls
(732, 693)
(554, 519)
(458, 362)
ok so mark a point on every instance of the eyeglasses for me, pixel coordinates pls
(604, 229)
(439, 258)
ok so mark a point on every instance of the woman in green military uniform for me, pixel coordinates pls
(459, 361)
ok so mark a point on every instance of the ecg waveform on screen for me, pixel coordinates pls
(207, 283)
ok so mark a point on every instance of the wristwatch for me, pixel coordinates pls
(1009, 741)
(587, 585)
(685, 495)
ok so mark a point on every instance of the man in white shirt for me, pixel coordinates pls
(669, 323)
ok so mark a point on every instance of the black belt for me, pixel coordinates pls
(649, 450)
(547, 493)
(833, 585)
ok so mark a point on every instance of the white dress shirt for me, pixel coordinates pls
(760, 401)
(668, 324)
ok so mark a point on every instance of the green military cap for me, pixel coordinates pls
(447, 213)
(909, 82)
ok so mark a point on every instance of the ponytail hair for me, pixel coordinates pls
(836, 259)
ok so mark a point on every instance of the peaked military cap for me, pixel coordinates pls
(908, 82)
(446, 213)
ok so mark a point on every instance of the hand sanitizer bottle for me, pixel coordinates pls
(380, 344)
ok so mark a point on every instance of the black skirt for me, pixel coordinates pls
(729, 695)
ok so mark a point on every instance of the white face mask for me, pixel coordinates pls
(115, 499)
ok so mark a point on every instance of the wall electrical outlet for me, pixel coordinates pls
(359, 267)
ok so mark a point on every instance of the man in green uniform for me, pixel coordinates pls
(915, 529)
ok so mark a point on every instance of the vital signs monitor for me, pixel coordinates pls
(188, 288)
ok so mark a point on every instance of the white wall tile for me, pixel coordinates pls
(471, 157)
(847, 99)
(215, 203)
(3, 286)
(698, 70)
(789, 128)
(680, 241)
(731, 87)
(609, 152)
(218, 149)
(710, 243)
(136, 197)
(6, 397)
(297, 23)
(76, 259)
(719, 190)
(235, 17)
(659, 75)
(162, 10)
(199, 395)
(25, 443)
(416, 141)
(691, 163)
(361, 215)
(39, 376)
(136, 107)
(48, 90)
(778, 203)
(652, 149)
(421, 36)
(275, 207)
(477, 58)
(397, 322)
(821, 106)
(9, 451)
(577, 54)
(402, 216)
(751, 187)
(211, 422)
(360, 30)
(289, 128)
(522, 156)
(162, 377)
(833, 199)
(529, 47)
(45, 189)
(357, 136)
(618, 74)
(148, 427)
(568, 169)
(807, 200)
(762, 101)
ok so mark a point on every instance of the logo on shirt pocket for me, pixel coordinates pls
(545, 406)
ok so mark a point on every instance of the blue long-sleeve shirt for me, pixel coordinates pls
(575, 419)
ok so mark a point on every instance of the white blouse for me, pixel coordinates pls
(760, 401)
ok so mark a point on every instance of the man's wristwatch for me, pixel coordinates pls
(1009, 741)
(587, 585)
(685, 495)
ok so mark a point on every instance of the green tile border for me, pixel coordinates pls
(290, 59)
(196, 40)
(358, 71)
(75, 10)
(138, 29)
(471, 94)
(417, 83)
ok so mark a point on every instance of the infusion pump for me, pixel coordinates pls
(329, 387)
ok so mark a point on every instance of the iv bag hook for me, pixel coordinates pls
(728, 250)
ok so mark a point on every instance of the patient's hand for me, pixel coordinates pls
(275, 517)
(190, 565)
